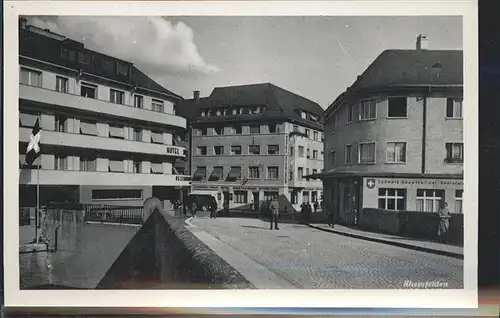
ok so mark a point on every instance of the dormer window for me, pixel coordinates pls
(121, 68)
(84, 58)
(68, 53)
(235, 111)
(219, 112)
(246, 111)
(303, 115)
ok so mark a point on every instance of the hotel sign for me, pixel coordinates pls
(409, 182)
(172, 150)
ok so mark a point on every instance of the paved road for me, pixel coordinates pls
(313, 259)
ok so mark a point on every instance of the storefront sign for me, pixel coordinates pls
(245, 188)
(378, 182)
(174, 150)
(182, 178)
(200, 187)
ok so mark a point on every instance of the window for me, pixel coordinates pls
(84, 58)
(368, 109)
(88, 128)
(118, 194)
(453, 108)
(305, 196)
(308, 151)
(203, 131)
(88, 164)
(68, 54)
(270, 195)
(240, 197)
(237, 130)
(348, 154)
(219, 150)
(136, 167)
(334, 124)
(291, 151)
(290, 175)
(156, 168)
(234, 174)
(303, 115)
(61, 84)
(201, 150)
(217, 173)
(272, 172)
(300, 173)
(295, 128)
(254, 149)
(107, 65)
(137, 134)
(307, 171)
(121, 68)
(301, 151)
(273, 128)
(255, 129)
(391, 199)
(308, 133)
(333, 158)
(138, 101)
(88, 90)
(30, 77)
(157, 105)
(116, 96)
(396, 152)
(116, 131)
(219, 131)
(235, 150)
(200, 173)
(60, 162)
(454, 152)
(273, 149)
(315, 154)
(366, 153)
(397, 107)
(253, 173)
(459, 201)
(60, 123)
(315, 134)
(156, 137)
(428, 199)
(322, 155)
(315, 171)
(350, 113)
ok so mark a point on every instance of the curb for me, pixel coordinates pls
(399, 244)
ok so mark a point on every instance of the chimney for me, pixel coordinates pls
(196, 96)
(23, 22)
(422, 43)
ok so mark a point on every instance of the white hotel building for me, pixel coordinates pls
(108, 130)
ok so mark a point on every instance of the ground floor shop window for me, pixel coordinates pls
(240, 197)
(270, 195)
(305, 196)
(458, 201)
(428, 200)
(293, 197)
(391, 199)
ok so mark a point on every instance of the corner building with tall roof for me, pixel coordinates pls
(108, 130)
(394, 139)
(253, 142)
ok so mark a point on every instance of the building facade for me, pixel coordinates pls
(394, 139)
(253, 142)
(108, 130)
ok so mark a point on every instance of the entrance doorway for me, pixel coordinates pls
(256, 198)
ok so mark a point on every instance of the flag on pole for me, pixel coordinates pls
(33, 150)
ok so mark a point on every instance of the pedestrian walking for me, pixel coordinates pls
(316, 204)
(226, 207)
(309, 211)
(194, 207)
(213, 208)
(444, 222)
(332, 214)
(303, 211)
(275, 209)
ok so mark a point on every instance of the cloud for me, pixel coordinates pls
(154, 44)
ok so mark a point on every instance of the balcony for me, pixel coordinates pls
(85, 104)
(65, 177)
(95, 142)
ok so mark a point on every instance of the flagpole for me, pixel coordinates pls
(37, 200)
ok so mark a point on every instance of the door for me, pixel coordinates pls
(255, 201)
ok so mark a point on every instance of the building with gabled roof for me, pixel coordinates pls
(108, 130)
(394, 139)
(253, 142)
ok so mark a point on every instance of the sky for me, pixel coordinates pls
(316, 57)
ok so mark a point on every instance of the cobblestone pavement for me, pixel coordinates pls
(313, 259)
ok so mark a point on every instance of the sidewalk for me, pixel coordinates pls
(410, 243)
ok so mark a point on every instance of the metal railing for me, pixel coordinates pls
(113, 213)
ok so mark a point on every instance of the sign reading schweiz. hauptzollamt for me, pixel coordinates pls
(372, 182)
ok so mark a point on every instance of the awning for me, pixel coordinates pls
(116, 166)
(157, 138)
(216, 174)
(88, 128)
(157, 168)
(201, 173)
(116, 132)
(234, 174)
(27, 120)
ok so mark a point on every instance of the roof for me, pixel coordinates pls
(281, 104)
(48, 49)
(399, 68)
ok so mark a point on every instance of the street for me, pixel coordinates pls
(312, 259)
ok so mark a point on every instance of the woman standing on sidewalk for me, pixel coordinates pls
(444, 222)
